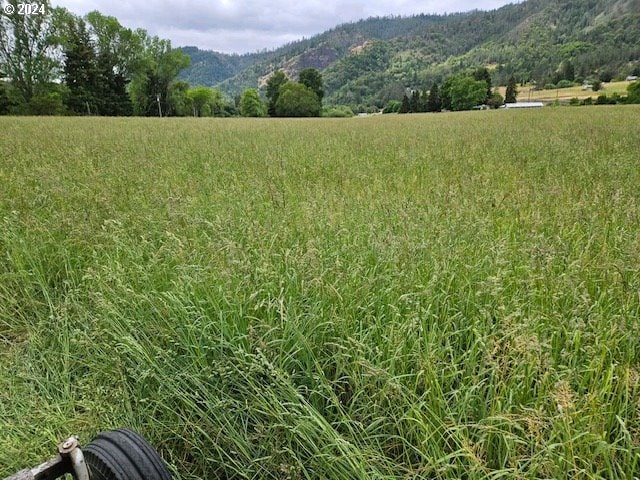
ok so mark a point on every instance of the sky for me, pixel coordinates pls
(242, 26)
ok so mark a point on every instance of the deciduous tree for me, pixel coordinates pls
(424, 101)
(150, 86)
(297, 100)
(251, 105)
(178, 99)
(124, 47)
(467, 93)
(200, 97)
(27, 48)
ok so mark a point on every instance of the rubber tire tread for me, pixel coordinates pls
(123, 455)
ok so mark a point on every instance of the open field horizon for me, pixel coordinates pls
(443, 296)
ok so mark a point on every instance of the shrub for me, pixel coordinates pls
(338, 111)
(496, 100)
(47, 104)
(565, 84)
(633, 92)
(606, 76)
(604, 100)
(393, 106)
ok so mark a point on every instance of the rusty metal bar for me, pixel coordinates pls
(69, 460)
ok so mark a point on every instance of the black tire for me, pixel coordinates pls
(123, 455)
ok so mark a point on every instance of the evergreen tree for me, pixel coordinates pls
(80, 69)
(120, 57)
(568, 72)
(414, 103)
(4, 99)
(312, 79)
(277, 80)
(111, 89)
(406, 106)
(445, 93)
(482, 74)
(434, 103)
(512, 91)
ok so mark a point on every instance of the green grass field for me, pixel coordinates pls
(426, 296)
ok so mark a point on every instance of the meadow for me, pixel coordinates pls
(445, 296)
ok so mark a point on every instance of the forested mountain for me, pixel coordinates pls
(210, 68)
(371, 61)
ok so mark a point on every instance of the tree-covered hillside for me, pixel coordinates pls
(210, 68)
(370, 61)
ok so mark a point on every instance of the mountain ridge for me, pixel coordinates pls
(371, 61)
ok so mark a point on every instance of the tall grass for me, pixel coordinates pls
(432, 296)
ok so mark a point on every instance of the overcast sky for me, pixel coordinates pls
(241, 26)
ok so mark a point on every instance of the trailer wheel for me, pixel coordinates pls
(123, 455)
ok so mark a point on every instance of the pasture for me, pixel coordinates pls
(423, 296)
(527, 93)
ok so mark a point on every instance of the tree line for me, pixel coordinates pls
(456, 93)
(474, 90)
(57, 63)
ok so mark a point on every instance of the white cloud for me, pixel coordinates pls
(248, 25)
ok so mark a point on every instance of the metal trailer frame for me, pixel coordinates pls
(69, 460)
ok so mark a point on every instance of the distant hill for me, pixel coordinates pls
(371, 61)
(210, 68)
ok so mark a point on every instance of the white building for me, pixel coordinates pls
(524, 105)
